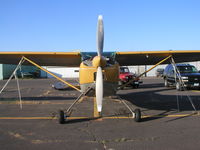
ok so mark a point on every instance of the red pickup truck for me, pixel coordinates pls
(125, 76)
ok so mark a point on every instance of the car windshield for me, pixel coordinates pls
(124, 70)
(187, 69)
(160, 70)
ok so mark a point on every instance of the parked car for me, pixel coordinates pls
(159, 72)
(125, 76)
(35, 74)
(188, 73)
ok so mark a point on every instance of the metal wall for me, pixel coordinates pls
(6, 70)
(63, 72)
(1, 72)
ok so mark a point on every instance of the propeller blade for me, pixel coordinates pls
(99, 89)
(100, 35)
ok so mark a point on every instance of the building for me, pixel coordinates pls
(63, 72)
(141, 69)
(6, 70)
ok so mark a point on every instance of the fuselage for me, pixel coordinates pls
(87, 74)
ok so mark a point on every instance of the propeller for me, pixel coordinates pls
(100, 35)
(99, 74)
(99, 89)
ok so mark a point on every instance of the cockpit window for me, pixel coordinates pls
(110, 56)
(187, 69)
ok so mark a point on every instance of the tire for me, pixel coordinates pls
(166, 83)
(61, 117)
(135, 86)
(120, 88)
(120, 83)
(137, 115)
(178, 86)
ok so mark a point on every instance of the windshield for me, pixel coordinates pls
(187, 69)
(124, 70)
(89, 55)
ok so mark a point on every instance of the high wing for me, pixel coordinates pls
(73, 59)
(69, 59)
(153, 57)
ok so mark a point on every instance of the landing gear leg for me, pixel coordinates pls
(61, 113)
(136, 113)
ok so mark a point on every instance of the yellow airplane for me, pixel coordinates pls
(99, 71)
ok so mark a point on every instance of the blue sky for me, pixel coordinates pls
(130, 25)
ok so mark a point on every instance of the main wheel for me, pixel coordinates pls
(61, 117)
(137, 115)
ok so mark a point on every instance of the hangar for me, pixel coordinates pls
(63, 72)
(6, 70)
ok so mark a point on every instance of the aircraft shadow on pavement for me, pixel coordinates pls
(46, 98)
(71, 121)
(167, 103)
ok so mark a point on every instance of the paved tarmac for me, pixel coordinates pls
(36, 126)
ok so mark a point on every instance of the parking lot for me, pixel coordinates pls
(169, 120)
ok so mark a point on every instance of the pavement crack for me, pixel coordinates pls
(93, 135)
(123, 139)
(38, 141)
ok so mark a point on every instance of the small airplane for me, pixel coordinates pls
(99, 71)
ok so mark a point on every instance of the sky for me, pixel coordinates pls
(70, 25)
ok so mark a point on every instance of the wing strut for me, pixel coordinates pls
(122, 86)
(60, 79)
(14, 74)
(178, 79)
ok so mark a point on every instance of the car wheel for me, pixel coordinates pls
(166, 83)
(61, 117)
(135, 86)
(178, 86)
(120, 83)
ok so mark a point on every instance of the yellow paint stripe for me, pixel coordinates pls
(114, 117)
(178, 115)
(195, 91)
